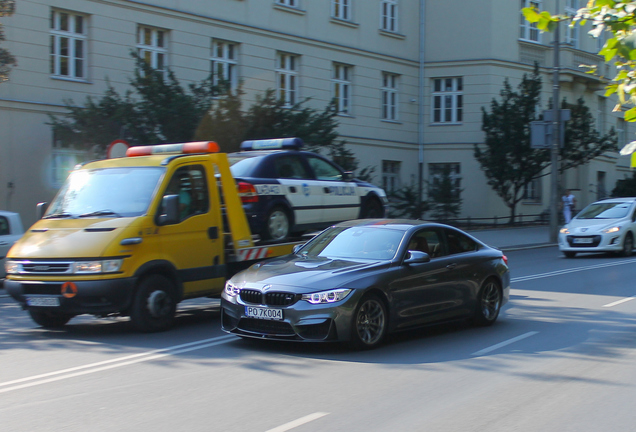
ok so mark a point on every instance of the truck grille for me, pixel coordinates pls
(45, 267)
(274, 298)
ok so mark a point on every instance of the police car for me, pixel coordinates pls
(287, 191)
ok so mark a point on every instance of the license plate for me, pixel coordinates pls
(263, 313)
(582, 240)
(43, 301)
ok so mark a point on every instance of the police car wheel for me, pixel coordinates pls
(277, 226)
(372, 210)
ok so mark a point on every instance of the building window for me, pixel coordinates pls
(447, 100)
(151, 47)
(572, 33)
(621, 132)
(389, 96)
(290, 3)
(532, 191)
(529, 31)
(389, 15)
(390, 175)
(223, 63)
(68, 45)
(287, 78)
(342, 87)
(341, 9)
(437, 172)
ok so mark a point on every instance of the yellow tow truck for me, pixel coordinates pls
(134, 236)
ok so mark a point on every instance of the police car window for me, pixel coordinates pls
(324, 170)
(4, 226)
(243, 166)
(289, 167)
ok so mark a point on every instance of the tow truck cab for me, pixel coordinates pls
(135, 236)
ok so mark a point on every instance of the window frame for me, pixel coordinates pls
(391, 175)
(289, 3)
(157, 49)
(228, 61)
(445, 95)
(436, 171)
(389, 17)
(529, 31)
(57, 35)
(390, 96)
(572, 34)
(341, 9)
(287, 78)
(341, 87)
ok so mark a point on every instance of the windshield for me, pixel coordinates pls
(243, 166)
(109, 192)
(354, 243)
(613, 210)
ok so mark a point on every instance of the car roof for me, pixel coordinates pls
(402, 224)
(613, 200)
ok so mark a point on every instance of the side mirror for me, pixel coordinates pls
(170, 207)
(40, 209)
(347, 176)
(417, 257)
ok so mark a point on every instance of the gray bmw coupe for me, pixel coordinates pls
(359, 280)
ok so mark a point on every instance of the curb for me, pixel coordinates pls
(525, 247)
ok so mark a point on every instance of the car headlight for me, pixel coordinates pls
(231, 289)
(330, 296)
(612, 229)
(11, 267)
(564, 231)
(93, 267)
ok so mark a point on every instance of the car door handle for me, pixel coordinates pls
(292, 189)
(451, 266)
(327, 190)
(3, 243)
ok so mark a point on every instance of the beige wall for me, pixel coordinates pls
(476, 40)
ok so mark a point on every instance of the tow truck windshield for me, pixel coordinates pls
(106, 192)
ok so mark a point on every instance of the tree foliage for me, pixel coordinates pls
(7, 8)
(608, 17)
(625, 187)
(444, 197)
(508, 160)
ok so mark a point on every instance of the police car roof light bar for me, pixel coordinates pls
(272, 144)
(180, 148)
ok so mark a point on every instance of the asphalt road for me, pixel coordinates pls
(560, 358)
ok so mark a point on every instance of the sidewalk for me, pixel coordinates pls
(514, 238)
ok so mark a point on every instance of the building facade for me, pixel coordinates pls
(409, 76)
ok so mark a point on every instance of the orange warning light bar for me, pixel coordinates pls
(181, 148)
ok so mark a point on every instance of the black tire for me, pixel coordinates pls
(372, 209)
(488, 303)
(628, 245)
(51, 320)
(155, 304)
(569, 254)
(277, 224)
(369, 324)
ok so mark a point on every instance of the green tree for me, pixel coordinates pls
(404, 203)
(507, 158)
(608, 17)
(445, 198)
(625, 187)
(7, 8)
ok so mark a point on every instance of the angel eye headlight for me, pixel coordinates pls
(324, 297)
(231, 289)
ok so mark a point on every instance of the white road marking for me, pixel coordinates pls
(572, 270)
(504, 343)
(111, 364)
(620, 301)
(301, 421)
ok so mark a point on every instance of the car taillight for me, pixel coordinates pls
(505, 258)
(247, 192)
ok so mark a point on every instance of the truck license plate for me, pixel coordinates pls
(43, 301)
(263, 313)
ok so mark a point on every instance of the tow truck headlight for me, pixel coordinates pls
(330, 296)
(231, 289)
(612, 229)
(11, 267)
(93, 267)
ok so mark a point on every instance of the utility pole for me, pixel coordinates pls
(556, 136)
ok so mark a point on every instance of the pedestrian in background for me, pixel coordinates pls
(568, 204)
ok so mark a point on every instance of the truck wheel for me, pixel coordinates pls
(155, 304)
(50, 320)
(277, 226)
